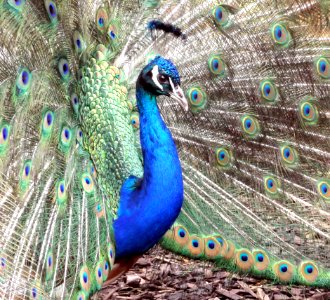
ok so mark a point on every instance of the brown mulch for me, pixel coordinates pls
(163, 275)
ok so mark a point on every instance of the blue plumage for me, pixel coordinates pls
(155, 201)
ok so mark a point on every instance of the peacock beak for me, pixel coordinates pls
(178, 95)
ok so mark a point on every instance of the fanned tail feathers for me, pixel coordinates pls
(254, 147)
(55, 220)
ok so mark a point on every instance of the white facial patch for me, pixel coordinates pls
(155, 72)
(172, 85)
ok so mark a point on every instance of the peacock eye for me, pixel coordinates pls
(162, 78)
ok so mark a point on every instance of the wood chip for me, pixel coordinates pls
(133, 280)
(247, 289)
(143, 262)
(296, 291)
(281, 297)
(223, 275)
(208, 273)
(261, 294)
(176, 296)
(228, 294)
(192, 286)
(322, 296)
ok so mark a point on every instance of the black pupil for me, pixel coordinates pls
(162, 78)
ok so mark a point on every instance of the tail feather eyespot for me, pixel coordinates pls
(222, 16)
(102, 19)
(4, 138)
(224, 157)
(212, 247)
(25, 175)
(261, 260)
(87, 183)
(308, 111)
(289, 155)
(113, 32)
(272, 185)
(61, 195)
(268, 91)
(244, 259)
(49, 265)
(181, 235)
(281, 35)
(322, 66)
(135, 120)
(99, 210)
(197, 98)
(47, 125)
(64, 68)
(51, 9)
(106, 269)
(309, 271)
(283, 270)
(78, 41)
(196, 245)
(23, 81)
(65, 138)
(18, 5)
(250, 126)
(75, 103)
(36, 291)
(111, 255)
(217, 66)
(81, 295)
(323, 188)
(98, 274)
(85, 279)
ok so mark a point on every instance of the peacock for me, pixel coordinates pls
(202, 125)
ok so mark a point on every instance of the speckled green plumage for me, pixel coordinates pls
(254, 146)
(105, 117)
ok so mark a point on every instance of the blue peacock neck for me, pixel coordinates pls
(155, 139)
(153, 206)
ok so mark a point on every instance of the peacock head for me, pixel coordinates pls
(161, 77)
